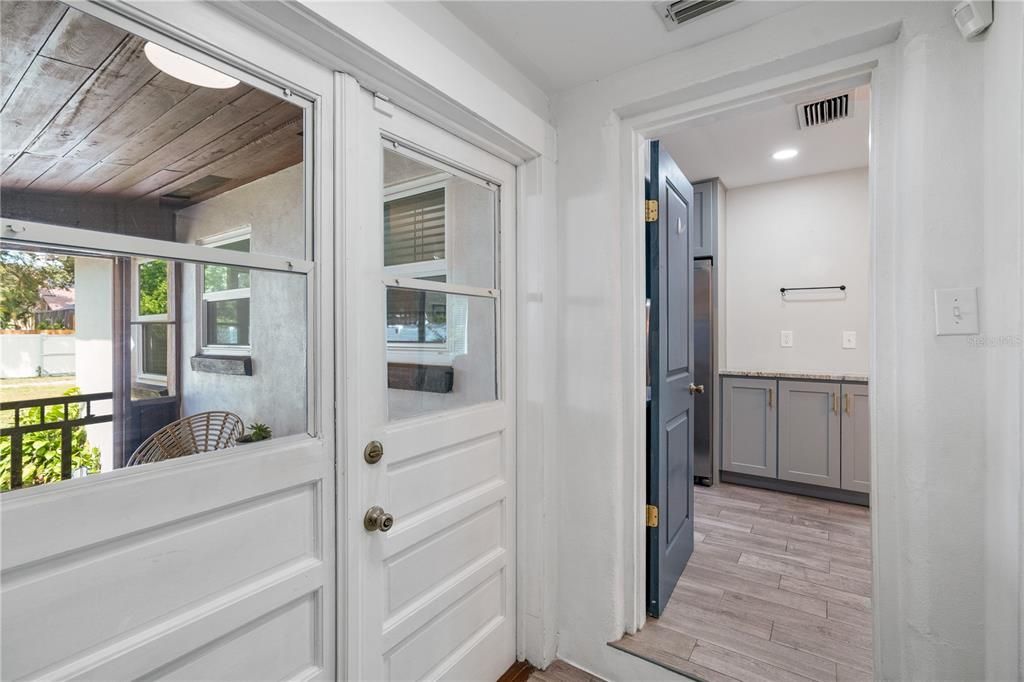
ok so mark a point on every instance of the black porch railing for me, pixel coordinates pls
(66, 425)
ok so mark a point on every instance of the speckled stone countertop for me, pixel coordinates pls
(820, 376)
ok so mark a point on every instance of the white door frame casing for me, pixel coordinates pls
(636, 130)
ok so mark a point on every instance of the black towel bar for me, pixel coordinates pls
(783, 290)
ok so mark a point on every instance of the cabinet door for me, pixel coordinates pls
(704, 218)
(749, 426)
(809, 432)
(856, 451)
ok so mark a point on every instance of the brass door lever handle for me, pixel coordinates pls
(696, 388)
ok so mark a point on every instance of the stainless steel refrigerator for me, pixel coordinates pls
(703, 369)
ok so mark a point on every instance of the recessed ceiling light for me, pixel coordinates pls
(188, 70)
(784, 154)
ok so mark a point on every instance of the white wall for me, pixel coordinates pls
(1002, 308)
(810, 231)
(94, 344)
(276, 392)
(934, 399)
(31, 355)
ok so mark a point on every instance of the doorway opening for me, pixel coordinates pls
(774, 467)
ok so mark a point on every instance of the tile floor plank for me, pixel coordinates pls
(809, 589)
(810, 604)
(822, 645)
(844, 614)
(746, 623)
(762, 649)
(740, 666)
(733, 568)
(631, 644)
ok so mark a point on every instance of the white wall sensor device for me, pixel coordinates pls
(973, 16)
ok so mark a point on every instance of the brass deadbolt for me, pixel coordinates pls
(373, 452)
(378, 519)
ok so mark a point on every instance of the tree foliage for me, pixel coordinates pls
(40, 459)
(22, 275)
(153, 287)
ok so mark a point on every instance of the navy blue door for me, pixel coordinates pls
(670, 353)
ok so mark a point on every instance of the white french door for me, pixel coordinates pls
(219, 565)
(430, 321)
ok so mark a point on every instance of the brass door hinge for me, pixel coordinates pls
(651, 210)
(652, 516)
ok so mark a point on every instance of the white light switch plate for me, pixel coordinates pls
(786, 339)
(956, 312)
(849, 339)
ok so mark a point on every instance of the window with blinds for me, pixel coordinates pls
(414, 228)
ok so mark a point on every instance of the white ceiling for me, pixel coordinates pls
(559, 44)
(737, 145)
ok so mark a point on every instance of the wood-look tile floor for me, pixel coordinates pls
(778, 588)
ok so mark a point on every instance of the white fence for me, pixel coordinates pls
(31, 355)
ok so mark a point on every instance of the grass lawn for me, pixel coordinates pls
(31, 387)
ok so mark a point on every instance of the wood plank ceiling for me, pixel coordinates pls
(84, 111)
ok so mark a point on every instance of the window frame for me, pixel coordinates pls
(231, 236)
(141, 377)
(417, 352)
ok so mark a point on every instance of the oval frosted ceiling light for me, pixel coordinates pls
(784, 154)
(188, 70)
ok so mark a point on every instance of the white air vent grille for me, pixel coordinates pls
(822, 111)
(682, 11)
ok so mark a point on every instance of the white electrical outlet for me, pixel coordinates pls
(849, 339)
(956, 312)
(786, 339)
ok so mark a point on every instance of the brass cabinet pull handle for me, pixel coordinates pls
(770, 391)
(849, 406)
(835, 403)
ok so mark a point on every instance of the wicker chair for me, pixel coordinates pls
(201, 432)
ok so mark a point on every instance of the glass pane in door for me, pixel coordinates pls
(456, 366)
(438, 225)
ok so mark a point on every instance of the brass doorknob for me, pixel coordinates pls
(378, 519)
(696, 388)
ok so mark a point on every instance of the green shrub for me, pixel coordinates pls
(40, 458)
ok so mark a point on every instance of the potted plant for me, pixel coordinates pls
(257, 432)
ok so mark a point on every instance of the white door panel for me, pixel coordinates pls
(435, 594)
(172, 562)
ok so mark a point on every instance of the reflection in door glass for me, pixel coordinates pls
(68, 363)
(439, 228)
(458, 372)
(106, 350)
(437, 225)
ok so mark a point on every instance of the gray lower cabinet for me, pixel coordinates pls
(809, 433)
(856, 448)
(749, 426)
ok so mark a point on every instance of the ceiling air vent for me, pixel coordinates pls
(822, 111)
(679, 12)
